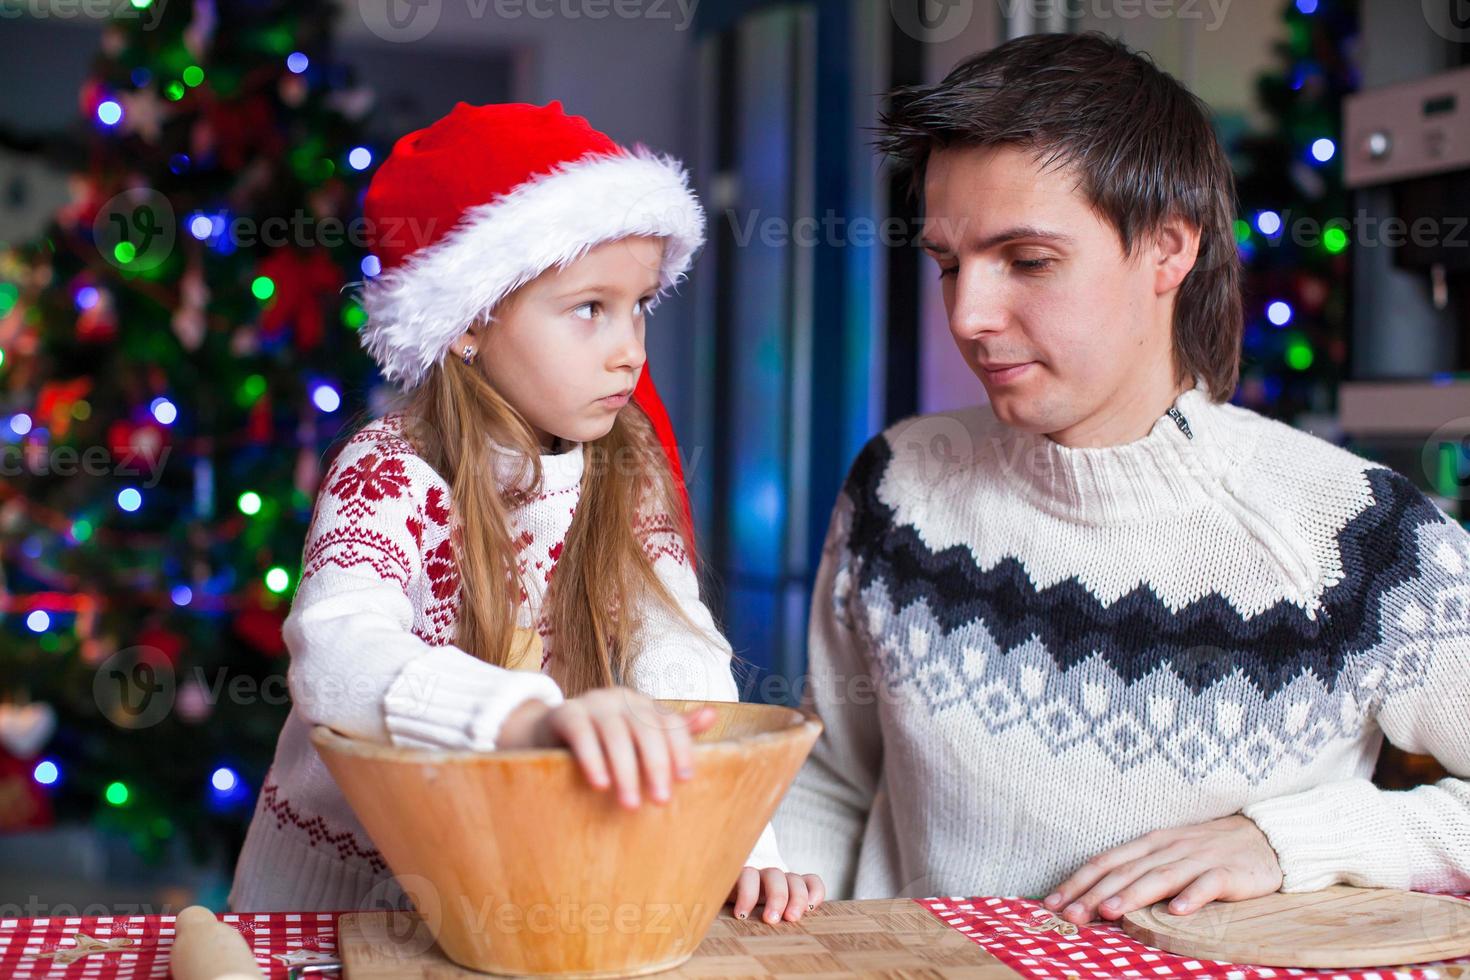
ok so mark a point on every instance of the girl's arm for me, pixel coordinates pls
(1354, 833)
(677, 661)
(356, 664)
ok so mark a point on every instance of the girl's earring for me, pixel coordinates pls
(469, 353)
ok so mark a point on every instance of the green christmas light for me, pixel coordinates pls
(125, 252)
(1299, 355)
(8, 295)
(193, 75)
(174, 91)
(353, 316)
(263, 287)
(1242, 230)
(1447, 477)
(142, 4)
(249, 503)
(117, 793)
(277, 580)
(1334, 240)
(81, 529)
(250, 390)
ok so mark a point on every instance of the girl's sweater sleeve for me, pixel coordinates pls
(824, 817)
(1418, 684)
(356, 663)
(684, 661)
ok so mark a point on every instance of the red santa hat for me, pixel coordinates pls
(468, 209)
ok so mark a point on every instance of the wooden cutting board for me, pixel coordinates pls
(1338, 928)
(886, 938)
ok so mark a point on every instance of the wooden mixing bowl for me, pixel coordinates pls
(519, 866)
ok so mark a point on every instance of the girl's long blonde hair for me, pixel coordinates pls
(591, 607)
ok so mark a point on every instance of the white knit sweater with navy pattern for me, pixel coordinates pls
(1026, 654)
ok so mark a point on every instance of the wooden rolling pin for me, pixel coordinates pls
(207, 949)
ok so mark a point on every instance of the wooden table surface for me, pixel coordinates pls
(887, 938)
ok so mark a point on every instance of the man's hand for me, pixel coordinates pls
(1228, 859)
(787, 895)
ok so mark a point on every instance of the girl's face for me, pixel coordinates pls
(566, 348)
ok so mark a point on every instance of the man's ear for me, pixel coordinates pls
(1175, 249)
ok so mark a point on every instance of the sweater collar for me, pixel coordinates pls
(1167, 471)
(559, 471)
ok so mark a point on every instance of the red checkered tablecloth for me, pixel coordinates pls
(1017, 931)
(131, 947)
(1023, 935)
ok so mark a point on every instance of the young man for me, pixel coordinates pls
(1114, 641)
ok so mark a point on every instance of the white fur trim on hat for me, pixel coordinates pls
(416, 309)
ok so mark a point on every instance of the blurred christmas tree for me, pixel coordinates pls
(1296, 217)
(175, 357)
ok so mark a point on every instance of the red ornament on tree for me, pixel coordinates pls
(303, 279)
(136, 444)
(261, 629)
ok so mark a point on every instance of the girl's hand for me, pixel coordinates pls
(786, 895)
(619, 737)
(1227, 859)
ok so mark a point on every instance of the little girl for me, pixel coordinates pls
(504, 561)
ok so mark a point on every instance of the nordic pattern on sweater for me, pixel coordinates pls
(1073, 647)
(371, 636)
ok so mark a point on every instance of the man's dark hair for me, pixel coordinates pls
(1140, 142)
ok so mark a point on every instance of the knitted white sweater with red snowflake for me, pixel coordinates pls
(371, 638)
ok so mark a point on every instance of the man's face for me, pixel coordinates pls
(1063, 330)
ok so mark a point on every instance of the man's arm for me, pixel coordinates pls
(1355, 833)
(822, 819)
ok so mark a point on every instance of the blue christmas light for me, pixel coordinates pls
(1279, 313)
(141, 76)
(165, 411)
(39, 621)
(109, 113)
(227, 789)
(297, 62)
(47, 772)
(1323, 149)
(325, 397)
(86, 297)
(129, 499)
(1307, 6)
(20, 423)
(182, 595)
(360, 158)
(371, 266)
(218, 240)
(1269, 222)
(178, 163)
(201, 226)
